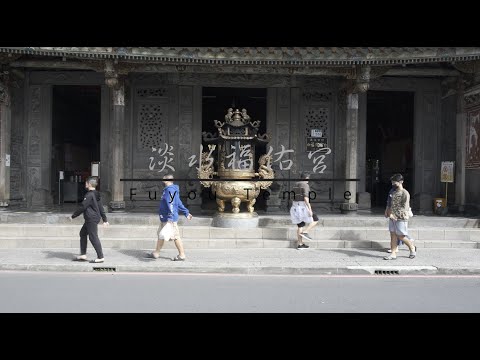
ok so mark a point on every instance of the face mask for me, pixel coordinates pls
(395, 186)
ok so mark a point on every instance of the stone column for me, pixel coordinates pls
(351, 164)
(5, 135)
(460, 148)
(116, 139)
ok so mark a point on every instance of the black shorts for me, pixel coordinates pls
(302, 224)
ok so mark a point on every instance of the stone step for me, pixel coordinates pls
(267, 220)
(207, 232)
(69, 242)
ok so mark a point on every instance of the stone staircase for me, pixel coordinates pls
(138, 231)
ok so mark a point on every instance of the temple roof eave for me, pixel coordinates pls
(288, 56)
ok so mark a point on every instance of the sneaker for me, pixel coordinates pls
(302, 246)
(80, 258)
(306, 236)
(413, 254)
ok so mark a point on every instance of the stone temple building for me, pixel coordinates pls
(133, 114)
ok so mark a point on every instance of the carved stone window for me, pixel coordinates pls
(151, 118)
(316, 117)
(151, 92)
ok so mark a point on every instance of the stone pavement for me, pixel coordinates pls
(251, 261)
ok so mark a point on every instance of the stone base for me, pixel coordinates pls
(457, 209)
(274, 205)
(194, 206)
(364, 200)
(241, 220)
(422, 203)
(117, 206)
(273, 209)
(349, 208)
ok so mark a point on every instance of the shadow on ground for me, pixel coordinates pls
(142, 255)
(356, 253)
(59, 254)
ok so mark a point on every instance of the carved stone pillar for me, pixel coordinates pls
(117, 85)
(5, 135)
(350, 205)
(460, 147)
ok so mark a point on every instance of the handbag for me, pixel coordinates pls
(167, 231)
(410, 213)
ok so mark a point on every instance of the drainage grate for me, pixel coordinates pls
(386, 272)
(104, 269)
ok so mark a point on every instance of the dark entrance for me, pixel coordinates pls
(215, 104)
(390, 117)
(76, 117)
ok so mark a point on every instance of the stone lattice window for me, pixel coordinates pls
(151, 130)
(151, 93)
(316, 117)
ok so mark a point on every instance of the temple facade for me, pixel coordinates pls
(350, 116)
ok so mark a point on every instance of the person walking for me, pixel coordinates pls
(170, 204)
(388, 211)
(398, 218)
(92, 210)
(301, 211)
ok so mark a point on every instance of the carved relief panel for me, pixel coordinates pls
(316, 114)
(152, 121)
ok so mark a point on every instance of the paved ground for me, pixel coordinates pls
(251, 261)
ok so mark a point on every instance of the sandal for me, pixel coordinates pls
(98, 260)
(154, 256)
(390, 257)
(178, 258)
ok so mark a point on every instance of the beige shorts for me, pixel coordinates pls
(176, 234)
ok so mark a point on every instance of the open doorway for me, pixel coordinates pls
(390, 116)
(216, 102)
(76, 114)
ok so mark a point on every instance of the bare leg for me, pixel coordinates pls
(393, 243)
(156, 252)
(408, 242)
(179, 246)
(299, 238)
(310, 226)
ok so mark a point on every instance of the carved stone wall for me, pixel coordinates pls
(153, 115)
(17, 175)
(427, 142)
(39, 146)
(185, 125)
(472, 172)
(340, 140)
(235, 80)
(280, 118)
(316, 113)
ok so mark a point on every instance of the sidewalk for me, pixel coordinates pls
(251, 261)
